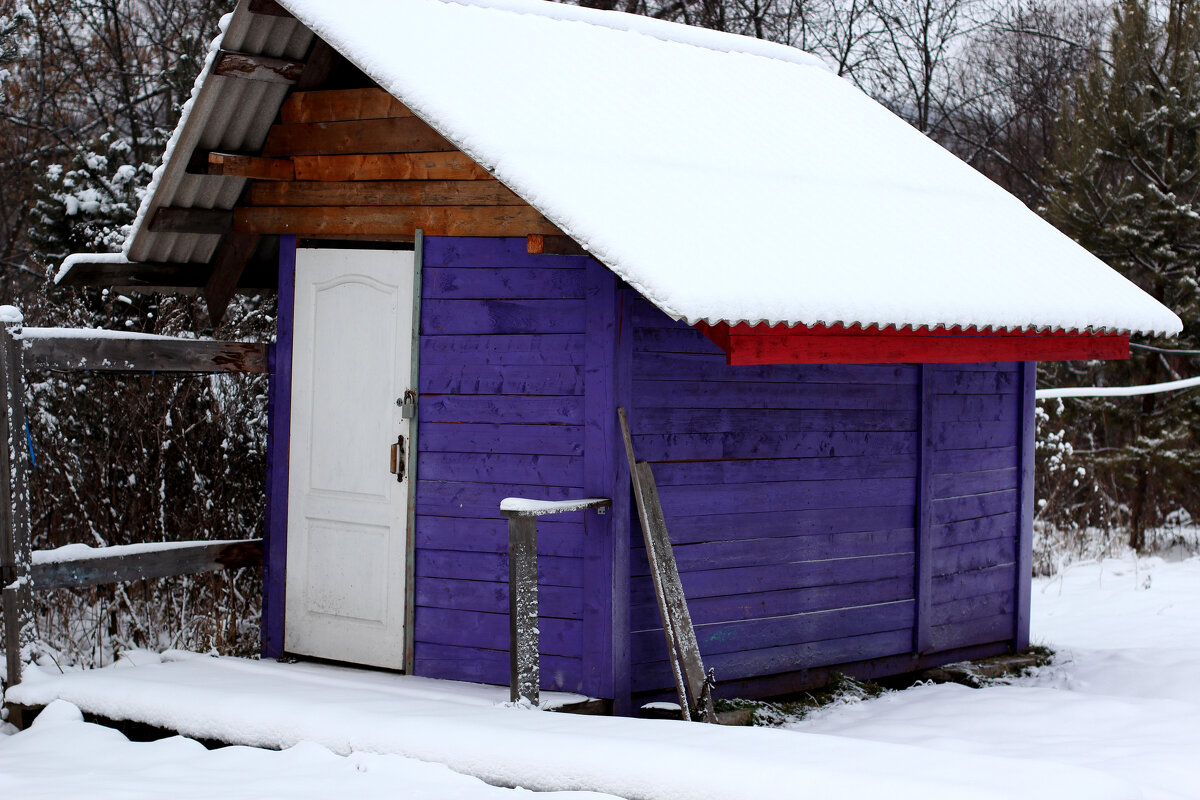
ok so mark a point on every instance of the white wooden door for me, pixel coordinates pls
(347, 512)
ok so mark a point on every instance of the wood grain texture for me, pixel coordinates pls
(392, 135)
(450, 165)
(194, 558)
(318, 221)
(330, 105)
(380, 193)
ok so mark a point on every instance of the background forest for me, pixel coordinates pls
(1088, 111)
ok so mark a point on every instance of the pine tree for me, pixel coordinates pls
(1125, 183)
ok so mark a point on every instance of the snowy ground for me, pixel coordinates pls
(1117, 717)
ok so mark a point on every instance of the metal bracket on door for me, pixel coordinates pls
(398, 459)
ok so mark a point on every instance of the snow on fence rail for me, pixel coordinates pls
(21, 570)
(1117, 391)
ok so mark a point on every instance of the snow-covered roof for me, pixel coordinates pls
(725, 178)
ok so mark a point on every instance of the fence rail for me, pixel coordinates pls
(92, 351)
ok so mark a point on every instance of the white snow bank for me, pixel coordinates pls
(1124, 699)
(349, 711)
(11, 315)
(722, 184)
(62, 756)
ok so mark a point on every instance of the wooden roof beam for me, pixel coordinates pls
(210, 221)
(319, 221)
(241, 165)
(228, 265)
(257, 68)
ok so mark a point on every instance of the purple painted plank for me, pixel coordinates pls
(971, 382)
(487, 283)
(966, 407)
(971, 608)
(557, 637)
(971, 435)
(481, 665)
(923, 536)
(967, 483)
(761, 605)
(553, 601)
(947, 588)
(666, 366)
(734, 666)
(502, 467)
(801, 496)
(703, 420)
(605, 567)
(552, 571)
(566, 440)
(673, 340)
(503, 349)
(453, 251)
(491, 379)
(501, 316)
(762, 552)
(650, 394)
(985, 366)
(955, 461)
(796, 681)
(278, 436)
(1024, 568)
(771, 444)
(744, 524)
(757, 634)
(956, 509)
(783, 469)
(723, 582)
(467, 499)
(502, 409)
(976, 555)
(555, 538)
(976, 530)
(976, 631)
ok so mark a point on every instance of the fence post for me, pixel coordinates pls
(15, 555)
(524, 670)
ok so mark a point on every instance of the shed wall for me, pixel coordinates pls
(791, 497)
(501, 414)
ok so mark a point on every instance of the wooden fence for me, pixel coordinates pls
(94, 351)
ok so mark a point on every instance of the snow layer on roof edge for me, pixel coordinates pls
(656, 28)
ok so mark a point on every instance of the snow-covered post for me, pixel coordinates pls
(14, 497)
(524, 680)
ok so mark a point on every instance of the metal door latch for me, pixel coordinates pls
(398, 459)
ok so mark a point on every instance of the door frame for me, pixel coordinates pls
(279, 408)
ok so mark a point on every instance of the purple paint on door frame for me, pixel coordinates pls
(279, 420)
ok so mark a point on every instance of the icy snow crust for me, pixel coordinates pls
(725, 179)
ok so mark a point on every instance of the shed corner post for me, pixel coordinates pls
(923, 525)
(1025, 512)
(15, 546)
(608, 383)
(279, 416)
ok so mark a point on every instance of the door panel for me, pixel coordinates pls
(347, 514)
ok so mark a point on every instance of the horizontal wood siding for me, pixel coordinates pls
(789, 493)
(974, 508)
(501, 414)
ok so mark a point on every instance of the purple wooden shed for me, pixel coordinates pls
(489, 231)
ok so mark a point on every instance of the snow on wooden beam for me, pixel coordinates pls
(77, 565)
(257, 68)
(838, 344)
(110, 351)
